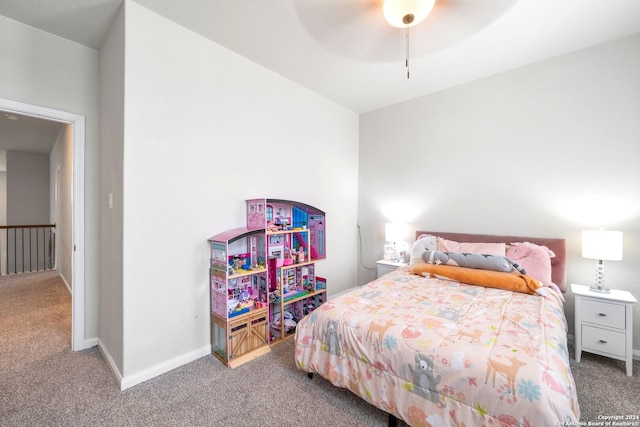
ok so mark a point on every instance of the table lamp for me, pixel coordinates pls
(601, 245)
(394, 233)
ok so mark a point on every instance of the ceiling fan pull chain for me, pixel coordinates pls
(407, 51)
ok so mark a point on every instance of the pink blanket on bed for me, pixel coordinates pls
(436, 352)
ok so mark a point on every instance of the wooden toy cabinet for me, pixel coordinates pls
(263, 278)
(238, 278)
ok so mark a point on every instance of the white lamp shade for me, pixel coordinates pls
(602, 245)
(395, 10)
(394, 231)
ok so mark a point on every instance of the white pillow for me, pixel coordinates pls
(425, 242)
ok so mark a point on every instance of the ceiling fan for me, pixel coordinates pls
(358, 30)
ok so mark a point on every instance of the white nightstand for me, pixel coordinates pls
(385, 266)
(604, 323)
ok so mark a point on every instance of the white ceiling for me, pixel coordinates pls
(345, 51)
(25, 133)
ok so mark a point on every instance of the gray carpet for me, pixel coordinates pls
(42, 383)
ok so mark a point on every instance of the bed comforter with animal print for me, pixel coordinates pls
(438, 353)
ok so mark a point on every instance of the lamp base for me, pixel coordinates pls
(600, 290)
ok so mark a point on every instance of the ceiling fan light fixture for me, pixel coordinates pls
(406, 13)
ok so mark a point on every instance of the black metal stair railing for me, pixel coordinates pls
(27, 248)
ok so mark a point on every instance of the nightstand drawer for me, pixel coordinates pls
(384, 269)
(603, 313)
(603, 340)
(604, 323)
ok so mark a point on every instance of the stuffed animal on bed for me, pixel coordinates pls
(535, 258)
(481, 261)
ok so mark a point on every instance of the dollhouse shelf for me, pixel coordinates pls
(292, 231)
(244, 273)
(252, 267)
(297, 297)
(297, 264)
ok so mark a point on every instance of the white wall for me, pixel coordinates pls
(27, 188)
(41, 69)
(3, 187)
(27, 195)
(61, 175)
(3, 205)
(545, 150)
(111, 148)
(206, 129)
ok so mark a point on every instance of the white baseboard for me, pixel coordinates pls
(65, 283)
(91, 342)
(87, 343)
(342, 292)
(162, 368)
(153, 371)
(112, 365)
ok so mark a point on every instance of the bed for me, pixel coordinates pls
(433, 351)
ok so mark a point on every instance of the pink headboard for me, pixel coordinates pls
(558, 246)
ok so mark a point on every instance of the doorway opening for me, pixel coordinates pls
(78, 341)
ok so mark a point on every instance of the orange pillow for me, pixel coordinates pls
(514, 281)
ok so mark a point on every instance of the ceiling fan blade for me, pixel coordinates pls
(357, 30)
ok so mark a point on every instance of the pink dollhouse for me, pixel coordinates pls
(277, 215)
(263, 277)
